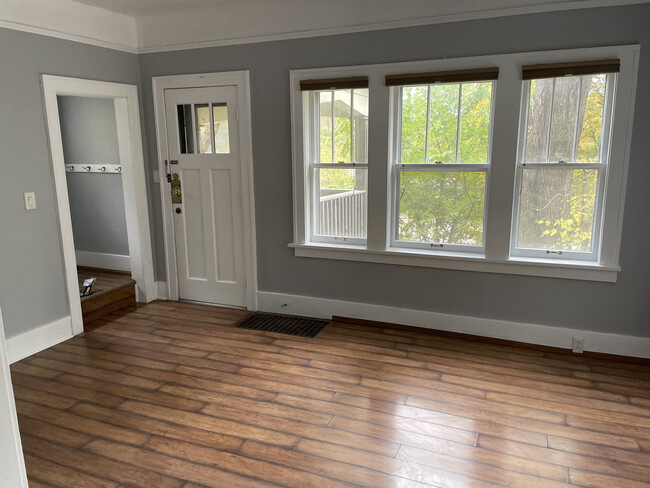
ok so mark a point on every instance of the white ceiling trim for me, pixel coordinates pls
(70, 20)
(154, 24)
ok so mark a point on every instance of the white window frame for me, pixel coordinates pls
(397, 168)
(602, 168)
(312, 156)
(500, 198)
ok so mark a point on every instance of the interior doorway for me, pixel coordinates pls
(114, 149)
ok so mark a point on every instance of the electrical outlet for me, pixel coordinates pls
(30, 200)
(578, 345)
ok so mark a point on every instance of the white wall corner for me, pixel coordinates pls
(35, 340)
(163, 290)
(116, 262)
(544, 335)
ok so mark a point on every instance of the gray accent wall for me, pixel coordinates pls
(32, 284)
(89, 134)
(32, 279)
(621, 308)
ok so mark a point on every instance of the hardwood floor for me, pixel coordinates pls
(112, 291)
(170, 395)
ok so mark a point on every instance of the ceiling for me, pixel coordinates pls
(139, 8)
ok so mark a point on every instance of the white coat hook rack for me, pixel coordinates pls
(93, 168)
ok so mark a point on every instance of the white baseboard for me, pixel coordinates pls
(24, 345)
(500, 329)
(102, 260)
(163, 290)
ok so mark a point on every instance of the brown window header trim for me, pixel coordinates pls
(334, 83)
(536, 71)
(456, 76)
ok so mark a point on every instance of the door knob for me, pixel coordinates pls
(178, 210)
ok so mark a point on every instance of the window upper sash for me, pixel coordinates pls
(537, 71)
(334, 83)
(455, 76)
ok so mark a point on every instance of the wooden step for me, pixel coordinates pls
(104, 302)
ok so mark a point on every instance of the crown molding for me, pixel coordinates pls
(71, 21)
(175, 39)
(194, 29)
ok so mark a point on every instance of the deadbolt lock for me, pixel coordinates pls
(177, 193)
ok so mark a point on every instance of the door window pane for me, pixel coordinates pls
(185, 129)
(557, 209)
(221, 133)
(342, 202)
(203, 133)
(441, 207)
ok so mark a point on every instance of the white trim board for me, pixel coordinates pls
(499, 329)
(12, 464)
(129, 137)
(36, 340)
(163, 290)
(241, 80)
(195, 28)
(116, 262)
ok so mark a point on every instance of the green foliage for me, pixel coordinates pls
(448, 207)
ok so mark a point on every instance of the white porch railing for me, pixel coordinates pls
(343, 213)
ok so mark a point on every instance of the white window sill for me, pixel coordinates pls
(574, 270)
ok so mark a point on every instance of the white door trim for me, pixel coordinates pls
(12, 464)
(127, 113)
(241, 80)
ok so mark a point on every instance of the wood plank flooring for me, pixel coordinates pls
(112, 291)
(170, 395)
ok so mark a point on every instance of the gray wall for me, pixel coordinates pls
(32, 285)
(622, 308)
(89, 134)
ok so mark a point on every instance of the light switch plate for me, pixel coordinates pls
(30, 200)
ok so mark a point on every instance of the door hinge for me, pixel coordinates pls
(245, 282)
(241, 198)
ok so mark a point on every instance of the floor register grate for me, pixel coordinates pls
(282, 324)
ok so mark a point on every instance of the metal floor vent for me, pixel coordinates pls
(283, 324)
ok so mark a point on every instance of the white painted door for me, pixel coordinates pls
(203, 152)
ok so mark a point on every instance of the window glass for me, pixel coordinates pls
(340, 181)
(185, 129)
(342, 202)
(441, 207)
(220, 122)
(203, 132)
(565, 119)
(343, 126)
(445, 123)
(557, 209)
(444, 127)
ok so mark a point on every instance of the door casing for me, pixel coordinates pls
(241, 80)
(127, 115)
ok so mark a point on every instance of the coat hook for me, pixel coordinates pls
(70, 168)
(102, 169)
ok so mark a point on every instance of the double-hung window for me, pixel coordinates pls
(337, 151)
(510, 163)
(563, 159)
(441, 158)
